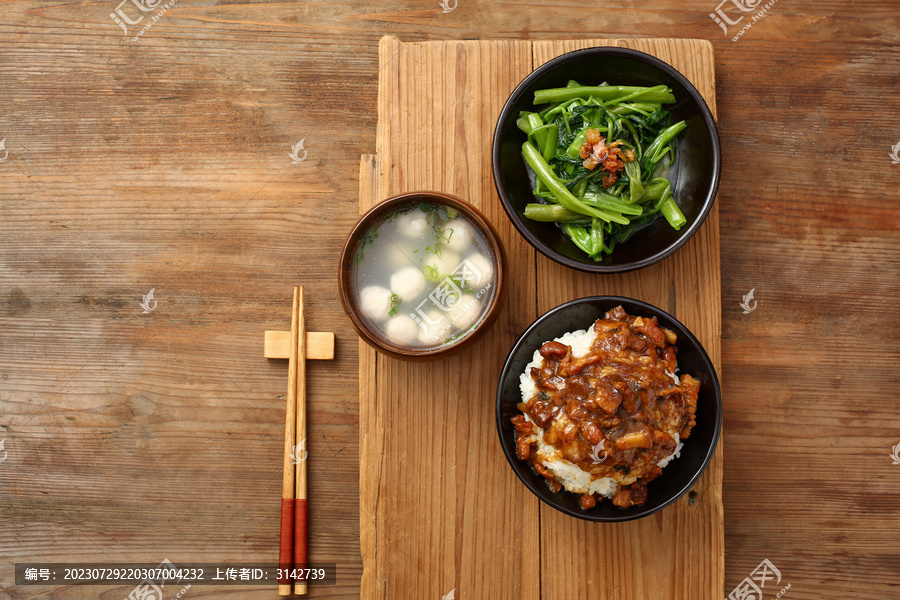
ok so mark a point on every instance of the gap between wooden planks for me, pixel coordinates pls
(440, 510)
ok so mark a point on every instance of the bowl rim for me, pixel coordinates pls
(514, 460)
(379, 211)
(653, 61)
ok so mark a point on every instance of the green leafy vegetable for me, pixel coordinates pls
(367, 240)
(597, 153)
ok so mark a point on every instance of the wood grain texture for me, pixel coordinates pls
(165, 164)
(371, 420)
(440, 509)
(427, 102)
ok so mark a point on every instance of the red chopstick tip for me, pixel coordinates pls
(301, 513)
(286, 543)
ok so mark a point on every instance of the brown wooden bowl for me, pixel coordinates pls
(378, 214)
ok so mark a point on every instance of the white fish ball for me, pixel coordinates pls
(484, 266)
(375, 302)
(408, 283)
(435, 323)
(401, 330)
(413, 224)
(461, 236)
(467, 313)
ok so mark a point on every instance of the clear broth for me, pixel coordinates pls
(424, 277)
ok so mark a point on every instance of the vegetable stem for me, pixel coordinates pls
(559, 189)
(529, 121)
(670, 211)
(656, 150)
(550, 212)
(659, 94)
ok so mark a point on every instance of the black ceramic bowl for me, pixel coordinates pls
(679, 475)
(695, 176)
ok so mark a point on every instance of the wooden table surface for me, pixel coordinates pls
(162, 162)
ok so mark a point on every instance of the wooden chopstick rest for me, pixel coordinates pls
(319, 345)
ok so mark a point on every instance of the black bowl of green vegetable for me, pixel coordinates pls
(606, 159)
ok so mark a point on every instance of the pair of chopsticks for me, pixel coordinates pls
(293, 552)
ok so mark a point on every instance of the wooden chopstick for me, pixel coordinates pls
(288, 485)
(301, 554)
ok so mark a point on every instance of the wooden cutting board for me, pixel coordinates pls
(440, 508)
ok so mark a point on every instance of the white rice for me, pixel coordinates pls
(572, 477)
(677, 454)
(674, 377)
